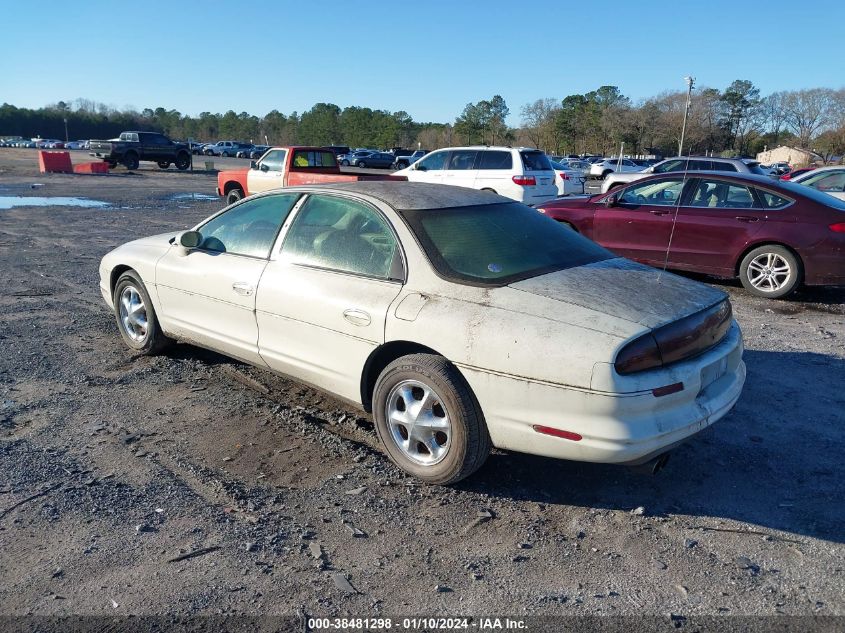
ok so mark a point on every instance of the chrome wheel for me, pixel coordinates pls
(133, 314)
(419, 422)
(769, 272)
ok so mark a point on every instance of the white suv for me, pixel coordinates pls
(523, 174)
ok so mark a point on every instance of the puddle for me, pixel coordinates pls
(193, 196)
(9, 202)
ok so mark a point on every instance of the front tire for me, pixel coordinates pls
(771, 271)
(428, 419)
(136, 317)
(362, 164)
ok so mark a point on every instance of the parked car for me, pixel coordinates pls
(603, 168)
(683, 163)
(198, 148)
(285, 167)
(401, 162)
(396, 296)
(224, 148)
(258, 151)
(132, 147)
(830, 180)
(773, 235)
(346, 159)
(797, 172)
(76, 145)
(339, 149)
(568, 181)
(376, 159)
(244, 150)
(522, 174)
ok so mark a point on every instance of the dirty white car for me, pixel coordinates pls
(461, 319)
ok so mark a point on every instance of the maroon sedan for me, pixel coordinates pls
(771, 234)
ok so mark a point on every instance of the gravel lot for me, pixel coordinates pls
(114, 466)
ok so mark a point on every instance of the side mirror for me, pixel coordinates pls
(187, 240)
(611, 201)
(420, 167)
(264, 167)
(253, 164)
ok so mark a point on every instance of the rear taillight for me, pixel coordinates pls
(639, 355)
(676, 341)
(839, 227)
(524, 181)
(564, 176)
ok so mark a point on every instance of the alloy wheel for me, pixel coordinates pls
(133, 314)
(769, 272)
(419, 422)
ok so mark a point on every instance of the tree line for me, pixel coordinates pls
(734, 121)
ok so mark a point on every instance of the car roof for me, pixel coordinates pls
(414, 196)
(760, 179)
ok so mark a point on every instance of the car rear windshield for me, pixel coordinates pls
(497, 244)
(535, 161)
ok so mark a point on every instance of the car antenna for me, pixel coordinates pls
(675, 216)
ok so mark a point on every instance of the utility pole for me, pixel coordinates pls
(690, 84)
(66, 136)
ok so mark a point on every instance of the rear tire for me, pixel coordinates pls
(771, 271)
(136, 317)
(234, 195)
(445, 444)
(130, 161)
(183, 161)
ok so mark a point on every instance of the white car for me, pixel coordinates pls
(830, 180)
(568, 180)
(522, 174)
(602, 168)
(461, 319)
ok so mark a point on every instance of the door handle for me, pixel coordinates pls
(658, 212)
(747, 218)
(243, 288)
(357, 317)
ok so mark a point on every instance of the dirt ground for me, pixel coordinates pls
(113, 466)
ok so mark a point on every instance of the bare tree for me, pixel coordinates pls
(809, 112)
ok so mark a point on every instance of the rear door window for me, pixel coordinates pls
(494, 159)
(717, 194)
(535, 161)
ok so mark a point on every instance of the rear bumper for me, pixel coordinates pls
(618, 428)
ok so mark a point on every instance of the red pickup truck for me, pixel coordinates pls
(286, 166)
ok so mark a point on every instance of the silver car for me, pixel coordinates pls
(682, 163)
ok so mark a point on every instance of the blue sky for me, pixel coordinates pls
(427, 57)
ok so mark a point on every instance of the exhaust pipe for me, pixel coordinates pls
(654, 465)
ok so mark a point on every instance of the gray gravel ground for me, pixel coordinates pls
(112, 466)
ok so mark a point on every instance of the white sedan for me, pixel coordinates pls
(602, 168)
(830, 180)
(568, 180)
(461, 319)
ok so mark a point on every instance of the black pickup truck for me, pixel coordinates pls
(132, 147)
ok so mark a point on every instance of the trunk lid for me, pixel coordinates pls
(625, 290)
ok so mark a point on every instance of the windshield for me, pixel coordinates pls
(497, 244)
(813, 194)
